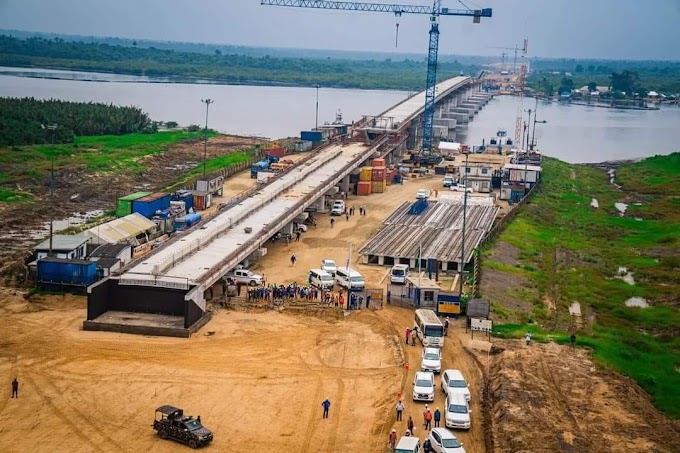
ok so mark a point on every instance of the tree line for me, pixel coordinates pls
(23, 121)
(407, 74)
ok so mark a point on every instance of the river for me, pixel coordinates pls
(573, 133)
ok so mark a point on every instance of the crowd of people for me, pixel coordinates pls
(293, 291)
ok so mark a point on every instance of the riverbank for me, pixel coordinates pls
(606, 270)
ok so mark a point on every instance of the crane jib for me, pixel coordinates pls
(378, 7)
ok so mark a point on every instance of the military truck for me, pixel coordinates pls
(171, 423)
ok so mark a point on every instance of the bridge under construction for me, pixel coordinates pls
(172, 280)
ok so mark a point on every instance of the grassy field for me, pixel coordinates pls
(107, 153)
(570, 252)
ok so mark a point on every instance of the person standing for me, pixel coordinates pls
(332, 222)
(410, 424)
(400, 411)
(408, 334)
(446, 326)
(393, 439)
(297, 236)
(437, 417)
(572, 340)
(347, 216)
(368, 301)
(15, 388)
(389, 297)
(527, 338)
(292, 260)
(427, 415)
(326, 406)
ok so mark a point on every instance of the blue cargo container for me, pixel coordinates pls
(312, 136)
(61, 273)
(258, 167)
(147, 206)
(186, 196)
(187, 221)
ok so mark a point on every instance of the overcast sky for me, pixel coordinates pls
(615, 29)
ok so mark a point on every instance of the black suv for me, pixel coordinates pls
(170, 423)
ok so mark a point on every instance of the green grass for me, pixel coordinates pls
(12, 196)
(214, 165)
(570, 252)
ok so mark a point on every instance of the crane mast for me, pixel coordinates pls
(435, 11)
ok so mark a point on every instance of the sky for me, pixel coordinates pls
(613, 29)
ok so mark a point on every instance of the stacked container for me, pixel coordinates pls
(378, 179)
(364, 188)
(366, 174)
(124, 204)
(148, 205)
(378, 163)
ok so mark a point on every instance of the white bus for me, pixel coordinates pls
(430, 328)
(398, 273)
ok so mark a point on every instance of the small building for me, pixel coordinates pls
(524, 174)
(59, 274)
(111, 257)
(65, 246)
(423, 291)
(479, 177)
(213, 184)
(478, 309)
(132, 229)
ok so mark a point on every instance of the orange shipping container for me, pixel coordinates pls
(365, 174)
(378, 163)
(364, 188)
(378, 186)
(378, 174)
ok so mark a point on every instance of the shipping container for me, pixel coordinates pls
(377, 186)
(366, 174)
(378, 174)
(213, 184)
(389, 176)
(304, 145)
(378, 163)
(364, 188)
(312, 136)
(124, 204)
(353, 179)
(147, 206)
(186, 196)
(60, 273)
(202, 200)
(279, 151)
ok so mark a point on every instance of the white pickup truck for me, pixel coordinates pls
(244, 276)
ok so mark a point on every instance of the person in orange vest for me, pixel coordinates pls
(427, 415)
(341, 300)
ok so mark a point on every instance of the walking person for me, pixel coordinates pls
(437, 417)
(393, 439)
(446, 327)
(400, 411)
(389, 297)
(347, 216)
(410, 425)
(326, 406)
(527, 338)
(292, 260)
(15, 388)
(408, 335)
(332, 222)
(297, 236)
(368, 301)
(572, 341)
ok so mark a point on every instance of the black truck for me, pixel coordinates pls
(171, 423)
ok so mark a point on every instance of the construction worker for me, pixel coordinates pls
(15, 388)
(326, 406)
(292, 260)
(437, 417)
(393, 439)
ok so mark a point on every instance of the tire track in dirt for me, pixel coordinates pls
(61, 415)
(337, 412)
(558, 395)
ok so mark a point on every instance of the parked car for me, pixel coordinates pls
(423, 194)
(444, 441)
(244, 276)
(349, 279)
(456, 187)
(457, 413)
(409, 444)
(448, 181)
(320, 279)
(423, 386)
(301, 227)
(431, 360)
(453, 382)
(171, 423)
(338, 208)
(329, 266)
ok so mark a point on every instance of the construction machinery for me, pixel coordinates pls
(435, 11)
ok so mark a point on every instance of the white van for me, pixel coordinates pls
(320, 278)
(398, 273)
(349, 279)
(408, 444)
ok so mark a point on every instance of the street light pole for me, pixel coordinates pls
(207, 103)
(52, 129)
(462, 242)
(317, 108)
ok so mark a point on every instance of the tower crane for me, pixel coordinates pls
(514, 62)
(434, 11)
(520, 82)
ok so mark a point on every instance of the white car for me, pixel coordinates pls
(423, 386)
(244, 276)
(338, 208)
(448, 181)
(444, 441)
(431, 360)
(460, 187)
(301, 227)
(423, 194)
(329, 266)
(457, 413)
(453, 383)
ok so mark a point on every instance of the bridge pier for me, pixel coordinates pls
(344, 184)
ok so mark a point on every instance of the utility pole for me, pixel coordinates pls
(207, 103)
(52, 129)
(462, 243)
(317, 109)
(533, 133)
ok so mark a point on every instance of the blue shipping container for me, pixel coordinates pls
(147, 206)
(186, 196)
(186, 221)
(257, 167)
(67, 272)
(312, 136)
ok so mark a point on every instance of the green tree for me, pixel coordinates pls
(592, 86)
(625, 81)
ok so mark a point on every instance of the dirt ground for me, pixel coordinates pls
(78, 190)
(258, 379)
(549, 398)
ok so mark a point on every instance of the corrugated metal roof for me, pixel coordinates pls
(522, 167)
(108, 250)
(123, 229)
(135, 196)
(439, 230)
(63, 242)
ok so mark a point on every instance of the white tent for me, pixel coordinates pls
(449, 146)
